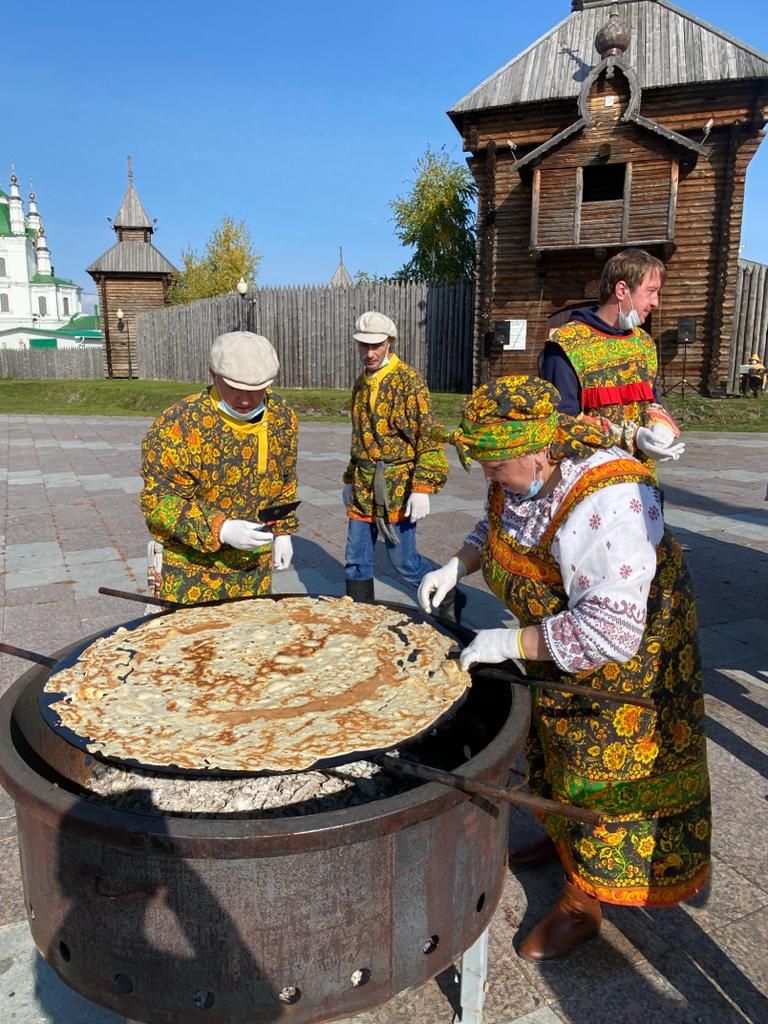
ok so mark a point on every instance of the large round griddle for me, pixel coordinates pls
(50, 716)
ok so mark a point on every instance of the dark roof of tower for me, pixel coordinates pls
(132, 257)
(132, 213)
(668, 47)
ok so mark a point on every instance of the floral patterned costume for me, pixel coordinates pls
(616, 376)
(392, 423)
(201, 468)
(593, 565)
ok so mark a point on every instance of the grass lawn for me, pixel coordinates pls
(150, 397)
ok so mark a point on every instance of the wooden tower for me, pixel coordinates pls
(631, 123)
(131, 276)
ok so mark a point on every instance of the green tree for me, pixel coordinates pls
(363, 277)
(228, 256)
(437, 218)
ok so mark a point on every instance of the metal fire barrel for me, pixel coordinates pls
(175, 920)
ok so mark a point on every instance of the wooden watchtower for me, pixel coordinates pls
(131, 276)
(631, 123)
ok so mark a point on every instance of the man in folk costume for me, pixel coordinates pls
(604, 364)
(395, 465)
(574, 544)
(211, 464)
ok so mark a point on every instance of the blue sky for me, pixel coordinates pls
(302, 118)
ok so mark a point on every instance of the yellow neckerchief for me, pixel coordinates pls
(374, 379)
(242, 427)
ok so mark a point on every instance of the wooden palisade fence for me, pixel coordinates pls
(750, 320)
(311, 329)
(53, 364)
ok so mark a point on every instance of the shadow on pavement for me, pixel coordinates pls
(683, 499)
(142, 930)
(600, 983)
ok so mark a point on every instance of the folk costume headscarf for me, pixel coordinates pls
(644, 771)
(512, 416)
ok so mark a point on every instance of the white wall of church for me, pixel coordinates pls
(23, 303)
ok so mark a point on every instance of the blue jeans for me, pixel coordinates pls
(405, 559)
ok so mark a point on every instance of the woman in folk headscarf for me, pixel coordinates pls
(574, 543)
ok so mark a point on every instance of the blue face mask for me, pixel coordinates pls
(536, 484)
(243, 417)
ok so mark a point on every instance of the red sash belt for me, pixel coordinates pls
(594, 398)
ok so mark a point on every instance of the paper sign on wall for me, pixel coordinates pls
(511, 334)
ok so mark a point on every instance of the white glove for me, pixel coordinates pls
(436, 584)
(244, 535)
(491, 646)
(417, 507)
(282, 552)
(347, 494)
(659, 442)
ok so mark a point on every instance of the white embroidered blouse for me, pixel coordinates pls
(606, 551)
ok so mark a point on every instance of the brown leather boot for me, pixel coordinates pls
(541, 851)
(575, 918)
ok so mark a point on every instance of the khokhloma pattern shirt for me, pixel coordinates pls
(606, 551)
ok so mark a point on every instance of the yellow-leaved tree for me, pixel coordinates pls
(229, 255)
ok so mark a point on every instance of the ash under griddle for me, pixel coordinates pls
(267, 796)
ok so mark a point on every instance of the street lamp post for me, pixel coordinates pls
(122, 325)
(242, 288)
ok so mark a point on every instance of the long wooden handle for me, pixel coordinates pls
(141, 598)
(579, 691)
(486, 789)
(508, 676)
(21, 652)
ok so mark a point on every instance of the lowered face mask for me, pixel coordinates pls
(629, 321)
(225, 407)
(536, 484)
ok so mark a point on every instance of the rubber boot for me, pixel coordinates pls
(452, 605)
(360, 590)
(575, 918)
(539, 852)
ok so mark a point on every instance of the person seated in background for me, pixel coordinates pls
(756, 375)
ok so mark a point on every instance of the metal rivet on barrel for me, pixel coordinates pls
(430, 945)
(203, 999)
(64, 950)
(122, 983)
(289, 994)
(361, 977)
(480, 902)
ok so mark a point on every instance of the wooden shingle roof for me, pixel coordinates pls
(341, 278)
(131, 213)
(668, 47)
(131, 257)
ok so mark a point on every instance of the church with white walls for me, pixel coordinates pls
(34, 302)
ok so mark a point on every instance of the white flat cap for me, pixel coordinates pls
(372, 328)
(243, 360)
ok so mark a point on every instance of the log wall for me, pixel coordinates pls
(690, 216)
(133, 295)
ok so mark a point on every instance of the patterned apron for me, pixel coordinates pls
(646, 771)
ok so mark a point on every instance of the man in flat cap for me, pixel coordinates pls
(212, 463)
(395, 462)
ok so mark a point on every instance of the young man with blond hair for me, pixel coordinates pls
(604, 364)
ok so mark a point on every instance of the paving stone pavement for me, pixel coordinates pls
(71, 523)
